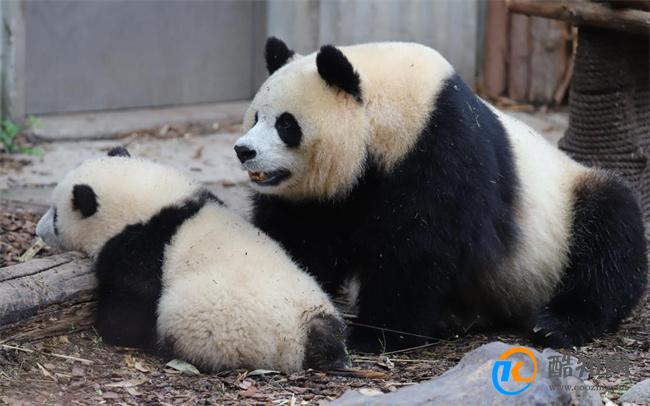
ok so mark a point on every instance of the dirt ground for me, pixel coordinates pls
(77, 368)
(17, 233)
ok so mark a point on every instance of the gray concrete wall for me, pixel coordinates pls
(450, 26)
(76, 55)
(93, 55)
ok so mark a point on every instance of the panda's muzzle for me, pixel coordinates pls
(271, 178)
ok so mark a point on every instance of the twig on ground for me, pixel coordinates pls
(407, 350)
(357, 373)
(406, 333)
(70, 357)
(371, 359)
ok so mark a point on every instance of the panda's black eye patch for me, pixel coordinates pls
(84, 199)
(55, 218)
(288, 129)
(255, 118)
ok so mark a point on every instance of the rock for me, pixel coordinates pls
(638, 394)
(471, 382)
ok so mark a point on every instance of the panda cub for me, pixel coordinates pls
(376, 165)
(179, 273)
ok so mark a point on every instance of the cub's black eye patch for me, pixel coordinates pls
(255, 118)
(84, 199)
(54, 220)
(288, 129)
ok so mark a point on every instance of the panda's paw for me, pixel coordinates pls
(325, 346)
(549, 331)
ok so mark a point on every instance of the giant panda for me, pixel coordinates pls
(180, 274)
(380, 171)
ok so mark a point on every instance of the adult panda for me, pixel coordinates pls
(180, 273)
(376, 164)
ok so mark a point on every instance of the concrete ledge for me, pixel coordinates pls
(109, 124)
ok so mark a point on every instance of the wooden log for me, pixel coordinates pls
(45, 286)
(496, 48)
(519, 59)
(584, 13)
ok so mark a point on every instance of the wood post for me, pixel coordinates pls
(496, 49)
(519, 72)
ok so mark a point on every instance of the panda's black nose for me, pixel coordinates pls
(244, 153)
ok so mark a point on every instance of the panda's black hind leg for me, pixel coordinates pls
(607, 267)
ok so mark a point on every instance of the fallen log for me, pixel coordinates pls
(46, 296)
(585, 13)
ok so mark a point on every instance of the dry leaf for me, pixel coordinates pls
(262, 372)
(163, 130)
(386, 363)
(250, 392)
(183, 366)
(78, 371)
(245, 384)
(129, 383)
(110, 395)
(45, 372)
(33, 250)
(132, 391)
(140, 367)
(129, 360)
(199, 153)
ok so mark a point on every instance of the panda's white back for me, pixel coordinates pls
(232, 297)
(545, 213)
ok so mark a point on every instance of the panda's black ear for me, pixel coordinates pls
(277, 54)
(337, 71)
(119, 151)
(84, 199)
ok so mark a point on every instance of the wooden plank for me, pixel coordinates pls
(496, 45)
(547, 62)
(26, 289)
(586, 13)
(519, 57)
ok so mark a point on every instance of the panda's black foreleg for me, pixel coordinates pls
(126, 320)
(606, 273)
(396, 313)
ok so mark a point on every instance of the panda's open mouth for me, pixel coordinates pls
(268, 178)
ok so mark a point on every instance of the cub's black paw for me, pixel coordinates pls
(325, 345)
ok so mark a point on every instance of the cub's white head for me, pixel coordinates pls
(99, 198)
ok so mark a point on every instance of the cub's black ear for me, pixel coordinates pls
(337, 71)
(84, 199)
(119, 151)
(276, 54)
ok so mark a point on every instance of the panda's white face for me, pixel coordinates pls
(303, 138)
(96, 200)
